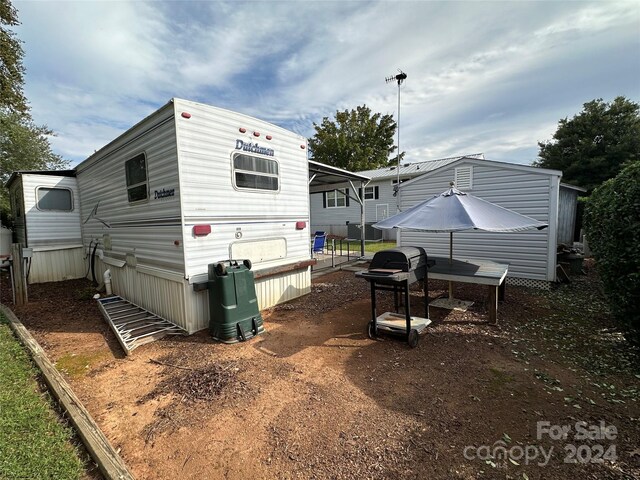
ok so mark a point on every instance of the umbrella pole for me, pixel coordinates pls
(450, 263)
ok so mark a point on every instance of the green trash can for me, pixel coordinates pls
(233, 305)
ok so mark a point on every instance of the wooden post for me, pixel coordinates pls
(19, 281)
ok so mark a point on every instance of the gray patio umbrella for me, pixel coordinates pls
(456, 211)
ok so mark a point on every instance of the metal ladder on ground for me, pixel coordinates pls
(133, 325)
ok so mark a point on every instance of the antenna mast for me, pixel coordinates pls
(400, 77)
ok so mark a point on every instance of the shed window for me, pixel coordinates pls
(54, 199)
(136, 172)
(255, 173)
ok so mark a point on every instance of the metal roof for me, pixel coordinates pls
(321, 174)
(410, 170)
(61, 173)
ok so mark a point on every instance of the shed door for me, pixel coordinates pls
(382, 211)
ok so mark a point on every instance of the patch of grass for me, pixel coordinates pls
(85, 294)
(576, 326)
(373, 247)
(33, 442)
(499, 379)
(77, 365)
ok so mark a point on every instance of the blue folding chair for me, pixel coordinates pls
(319, 240)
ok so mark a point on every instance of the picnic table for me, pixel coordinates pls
(482, 272)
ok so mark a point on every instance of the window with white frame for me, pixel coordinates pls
(255, 173)
(337, 198)
(369, 193)
(59, 199)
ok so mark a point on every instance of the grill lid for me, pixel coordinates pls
(405, 259)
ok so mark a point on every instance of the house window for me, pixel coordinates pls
(137, 183)
(464, 178)
(402, 180)
(337, 198)
(255, 173)
(54, 199)
(369, 193)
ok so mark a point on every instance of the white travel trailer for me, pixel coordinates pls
(46, 211)
(192, 185)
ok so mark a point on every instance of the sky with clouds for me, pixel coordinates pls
(491, 77)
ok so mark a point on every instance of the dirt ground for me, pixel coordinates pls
(314, 398)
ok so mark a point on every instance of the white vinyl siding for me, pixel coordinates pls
(49, 224)
(50, 227)
(207, 144)
(149, 231)
(527, 192)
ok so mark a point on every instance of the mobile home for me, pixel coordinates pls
(46, 211)
(192, 185)
(333, 212)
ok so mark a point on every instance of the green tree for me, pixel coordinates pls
(11, 68)
(355, 140)
(612, 224)
(595, 144)
(23, 144)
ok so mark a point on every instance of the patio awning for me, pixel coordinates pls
(323, 178)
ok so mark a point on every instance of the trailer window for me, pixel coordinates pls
(255, 173)
(54, 199)
(136, 172)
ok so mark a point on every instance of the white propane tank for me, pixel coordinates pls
(6, 238)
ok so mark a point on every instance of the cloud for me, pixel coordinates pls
(482, 76)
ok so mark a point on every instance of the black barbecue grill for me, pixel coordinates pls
(395, 270)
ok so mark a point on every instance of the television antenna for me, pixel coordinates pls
(400, 77)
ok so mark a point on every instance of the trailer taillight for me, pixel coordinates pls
(269, 137)
(186, 115)
(201, 230)
(302, 147)
(256, 134)
(301, 225)
(242, 130)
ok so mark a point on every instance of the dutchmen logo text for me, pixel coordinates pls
(253, 148)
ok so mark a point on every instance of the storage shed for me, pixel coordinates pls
(531, 191)
(46, 211)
